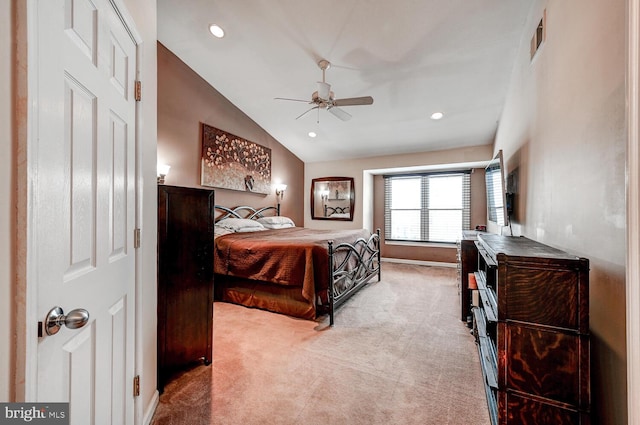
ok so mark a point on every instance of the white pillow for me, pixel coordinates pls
(240, 225)
(276, 222)
(220, 231)
(340, 215)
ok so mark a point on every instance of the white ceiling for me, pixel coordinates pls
(414, 57)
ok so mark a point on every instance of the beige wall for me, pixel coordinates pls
(563, 130)
(430, 253)
(184, 101)
(369, 206)
(6, 201)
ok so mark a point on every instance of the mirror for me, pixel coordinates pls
(332, 198)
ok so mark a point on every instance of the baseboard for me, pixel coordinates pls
(151, 408)
(419, 262)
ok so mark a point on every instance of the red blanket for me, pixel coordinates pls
(294, 257)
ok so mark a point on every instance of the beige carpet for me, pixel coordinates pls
(398, 354)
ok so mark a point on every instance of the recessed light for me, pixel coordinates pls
(437, 115)
(312, 134)
(216, 30)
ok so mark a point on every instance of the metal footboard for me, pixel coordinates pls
(351, 266)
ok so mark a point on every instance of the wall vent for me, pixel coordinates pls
(539, 35)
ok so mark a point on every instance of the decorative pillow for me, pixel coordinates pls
(220, 231)
(276, 222)
(240, 225)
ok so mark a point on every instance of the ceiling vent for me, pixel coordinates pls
(539, 35)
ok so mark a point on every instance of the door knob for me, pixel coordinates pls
(56, 318)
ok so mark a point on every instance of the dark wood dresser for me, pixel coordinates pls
(532, 330)
(467, 263)
(185, 278)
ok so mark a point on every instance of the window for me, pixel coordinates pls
(427, 207)
(495, 205)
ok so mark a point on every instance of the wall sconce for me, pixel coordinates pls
(163, 170)
(280, 188)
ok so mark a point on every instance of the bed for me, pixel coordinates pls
(336, 212)
(263, 260)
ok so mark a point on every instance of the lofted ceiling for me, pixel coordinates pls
(414, 57)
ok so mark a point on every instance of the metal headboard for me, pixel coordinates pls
(244, 211)
(335, 210)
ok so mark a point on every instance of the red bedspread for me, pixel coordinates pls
(293, 257)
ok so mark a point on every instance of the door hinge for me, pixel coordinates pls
(138, 91)
(136, 386)
(136, 238)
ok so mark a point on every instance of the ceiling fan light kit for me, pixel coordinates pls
(324, 98)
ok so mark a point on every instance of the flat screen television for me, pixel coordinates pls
(497, 211)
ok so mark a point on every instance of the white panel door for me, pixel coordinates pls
(82, 181)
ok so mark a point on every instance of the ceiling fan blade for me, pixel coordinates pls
(352, 101)
(344, 116)
(294, 100)
(308, 110)
(324, 90)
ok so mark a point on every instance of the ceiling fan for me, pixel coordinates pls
(324, 98)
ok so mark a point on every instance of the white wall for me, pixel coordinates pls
(563, 130)
(6, 210)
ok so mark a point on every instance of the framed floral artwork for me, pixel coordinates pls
(231, 162)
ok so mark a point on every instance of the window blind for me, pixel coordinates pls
(432, 207)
